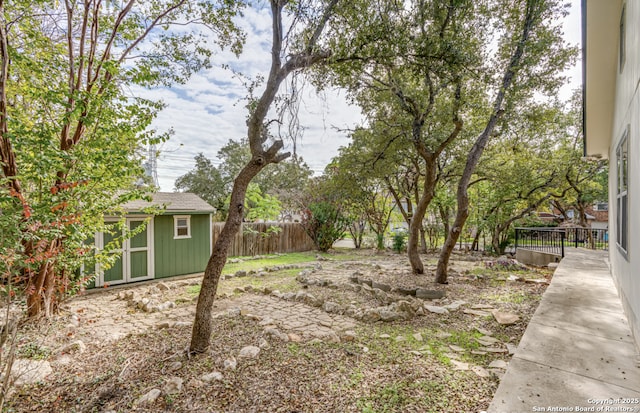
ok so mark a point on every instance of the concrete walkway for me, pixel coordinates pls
(577, 353)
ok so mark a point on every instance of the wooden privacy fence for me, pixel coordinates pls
(257, 239)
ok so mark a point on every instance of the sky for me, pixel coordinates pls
(209, 110)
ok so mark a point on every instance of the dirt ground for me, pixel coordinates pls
(309, 337)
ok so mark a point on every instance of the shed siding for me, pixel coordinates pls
(181, 256)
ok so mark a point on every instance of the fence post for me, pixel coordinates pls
(562, 242)
(517, 234)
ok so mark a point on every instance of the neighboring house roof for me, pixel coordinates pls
(173, 202)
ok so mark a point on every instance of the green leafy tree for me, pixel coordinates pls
(261, 206)
(206, 181)
(325, 223)
(70, 129)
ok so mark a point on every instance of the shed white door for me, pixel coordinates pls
(136, 260)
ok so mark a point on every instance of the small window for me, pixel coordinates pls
(181, 226)
(623, 37)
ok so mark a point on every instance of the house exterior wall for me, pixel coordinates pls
(181, 256)
(625, 266)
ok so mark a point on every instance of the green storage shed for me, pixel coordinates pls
(176, 242)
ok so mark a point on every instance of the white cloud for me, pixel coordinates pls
(209, 110)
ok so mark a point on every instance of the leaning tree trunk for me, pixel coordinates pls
(203, 324)
(478, 148)
(256, 133)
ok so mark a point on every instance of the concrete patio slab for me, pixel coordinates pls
(577, 353)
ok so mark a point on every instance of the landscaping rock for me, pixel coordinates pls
(480, 372)
(294, 338)
(230, 363)
(406, 291)
(505, 318)
(478, 313)
(436, 309)
(174, 366)
(27, 371)
(455, 305)
(213, 376)
(384, 287)
(349, 335)
(498, 364)
(163, 286)
(458, 365)
(371, 315)
(484, 331)
(249, 352)
(367, 282)
(487, 340)
(150, 397)
(417, 337)
(457, 349)
(240, 273)
(173, 385)
(429, 294)
(384, 336)
(388, 315)
(511, 349)
(331, 307)
(380, 295)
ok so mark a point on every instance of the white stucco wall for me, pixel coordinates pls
(626, 270)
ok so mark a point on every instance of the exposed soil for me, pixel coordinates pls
(375, 367)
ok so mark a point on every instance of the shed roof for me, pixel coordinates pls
(173, 202)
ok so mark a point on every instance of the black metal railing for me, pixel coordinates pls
(554, 240)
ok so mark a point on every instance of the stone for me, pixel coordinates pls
(74, 346)
(511, 349)
(249, 352)
(331, 337)
(484, 331)
(400, 339)
(262, 343)
(536, 281)
(230, 363)
(480, 372)
(498, 373)
(417, 337)
(505, 318)
(494, 349)
(354, 278)
(384, 336)
(174, 366)
(436, 309)
(459, 365)
(457, 349)
(349, 335)
(416, 353)
(162, 286)
(406, 291)
(487, 339)
(371, 315)
(26, 371)
(331, 307)
(150, 397)
(479, 353)
(163, 324)
(455, 305)
(388, 315)
(405, 307)
(234, 312)
(384, 287)
(429, 294)
(498, 364)
(238, 290)
(366, 282)
(294, 338)
(240, 273)
(248, 288)
(380, 295)
(478, 313)
(481, 307)
(213, 376)
(173, 385)
(274, 332)
(552, 265)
